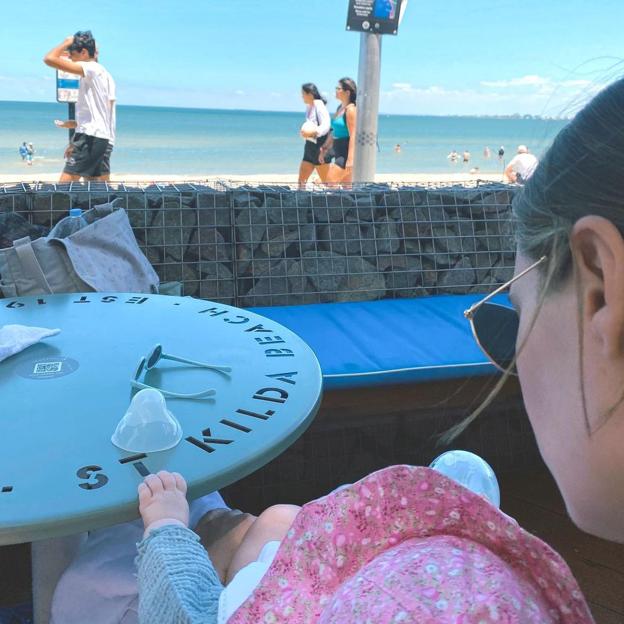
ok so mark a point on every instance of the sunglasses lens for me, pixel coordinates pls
(139, 369)
(496, 330)
(154, 356)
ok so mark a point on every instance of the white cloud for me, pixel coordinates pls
(529, 94)
(524, 81)
(406, 87)
(239, 92)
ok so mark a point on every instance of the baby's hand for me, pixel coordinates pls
(162, 500)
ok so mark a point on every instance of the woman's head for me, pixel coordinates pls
(571, 335)
(346, 91)
(310, 92)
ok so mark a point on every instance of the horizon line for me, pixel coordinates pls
(517, 115)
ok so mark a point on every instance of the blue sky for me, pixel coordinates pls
(450, 57)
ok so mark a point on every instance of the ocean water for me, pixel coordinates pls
(220, 142)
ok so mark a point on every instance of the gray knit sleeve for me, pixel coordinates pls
(177, 581)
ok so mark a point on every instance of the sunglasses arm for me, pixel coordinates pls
(174, 358)
(469, 313)
(173, 395)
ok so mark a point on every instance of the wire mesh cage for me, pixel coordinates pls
(275, 244)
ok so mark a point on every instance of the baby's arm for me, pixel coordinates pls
(177, 581)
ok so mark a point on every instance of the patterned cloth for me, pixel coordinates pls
(407, 544)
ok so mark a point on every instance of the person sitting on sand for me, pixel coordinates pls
(522, 166)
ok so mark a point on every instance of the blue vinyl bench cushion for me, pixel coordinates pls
(388, 341)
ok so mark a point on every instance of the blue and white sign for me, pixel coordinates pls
(381, 17)
(67, 86)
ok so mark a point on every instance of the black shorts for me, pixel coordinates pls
(311, 151)
(90, 156)
(104, 168)
(341, 152)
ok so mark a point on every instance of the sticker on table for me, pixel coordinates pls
(47, 368)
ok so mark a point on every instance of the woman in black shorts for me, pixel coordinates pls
(342, 142)
(315, 131)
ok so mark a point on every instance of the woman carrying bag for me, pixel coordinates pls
(315, 131)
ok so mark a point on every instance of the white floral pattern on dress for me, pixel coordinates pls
(409, 545)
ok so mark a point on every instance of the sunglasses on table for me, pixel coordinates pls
(155, 355)
(495, 326)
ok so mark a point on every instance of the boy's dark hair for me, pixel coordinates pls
(83, 40)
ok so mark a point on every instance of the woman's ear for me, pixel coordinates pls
(598, 251)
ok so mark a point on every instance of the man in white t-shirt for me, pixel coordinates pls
(521, 166)
(88, 155)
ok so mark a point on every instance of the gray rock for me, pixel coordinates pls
(287, 209)
(341, 238)
(173, 271)
(459, 278)
(251, 226)
(245, 199)
(299, 238)
(387, 238)
(331, 200)
(139, 212)
(404, 275)
(207, 243)
(14, 226)
(172, 229)
(343, 278)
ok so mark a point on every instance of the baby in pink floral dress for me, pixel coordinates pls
(404, 544)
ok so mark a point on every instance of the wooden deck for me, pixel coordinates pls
(598, 565)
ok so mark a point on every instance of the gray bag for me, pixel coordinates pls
(102, 256)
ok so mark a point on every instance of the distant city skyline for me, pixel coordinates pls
(482, 58)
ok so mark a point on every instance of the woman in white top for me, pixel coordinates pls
(314, 131)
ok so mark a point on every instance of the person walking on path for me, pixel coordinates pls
(315, 131)
(88, 155)
(343, 134)
(522, 166)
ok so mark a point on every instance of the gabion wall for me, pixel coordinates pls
(273, 245)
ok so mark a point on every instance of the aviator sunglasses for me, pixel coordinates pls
(155, 355)
(495, 326)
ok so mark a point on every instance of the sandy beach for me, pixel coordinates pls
(417, 178)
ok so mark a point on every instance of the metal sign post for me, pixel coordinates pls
(369, 76)
(67, 86)
(372, 18)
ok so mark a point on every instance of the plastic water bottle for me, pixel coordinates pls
(68, 225)
(471, 471)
